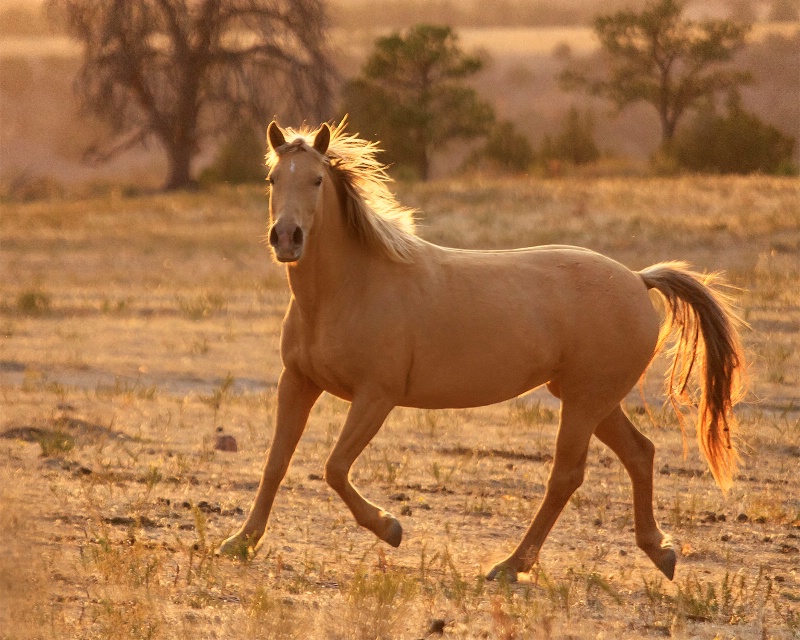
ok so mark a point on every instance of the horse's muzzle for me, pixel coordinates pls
(286, 240)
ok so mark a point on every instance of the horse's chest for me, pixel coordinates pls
(327, 357)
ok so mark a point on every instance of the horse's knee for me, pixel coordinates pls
(565, 483)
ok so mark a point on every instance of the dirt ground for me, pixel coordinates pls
(134, 331)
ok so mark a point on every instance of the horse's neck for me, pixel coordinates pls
(333, 260)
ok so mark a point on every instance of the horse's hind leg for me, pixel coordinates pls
(572, 444)
(636, 453)
(365, 417)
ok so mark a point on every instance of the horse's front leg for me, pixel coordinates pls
(296, 395)
(366, 415)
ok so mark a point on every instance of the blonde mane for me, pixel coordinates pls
(370, 209)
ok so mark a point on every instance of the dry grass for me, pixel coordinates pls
(132, 329)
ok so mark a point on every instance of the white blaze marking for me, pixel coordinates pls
(291, 167)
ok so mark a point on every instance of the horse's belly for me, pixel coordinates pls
(476, 377)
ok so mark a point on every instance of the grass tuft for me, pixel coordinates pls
(33, 303)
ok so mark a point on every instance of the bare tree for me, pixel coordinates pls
(181, 71)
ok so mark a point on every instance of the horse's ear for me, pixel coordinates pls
(275, 136)
(322, 139)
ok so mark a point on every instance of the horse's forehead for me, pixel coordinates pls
(296, 158)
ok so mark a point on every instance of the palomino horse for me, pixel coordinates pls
(381, 318)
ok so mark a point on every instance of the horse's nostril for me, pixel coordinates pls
(273, 237)
(297, 236)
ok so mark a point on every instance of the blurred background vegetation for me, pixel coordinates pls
(446, 86)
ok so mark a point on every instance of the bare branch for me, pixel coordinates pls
(183, 70)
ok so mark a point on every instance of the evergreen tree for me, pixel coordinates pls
(412, 98)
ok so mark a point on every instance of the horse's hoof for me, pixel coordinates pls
(238, 546)
(667, 563)
(663, 556)
(394, 533)
(502, 571)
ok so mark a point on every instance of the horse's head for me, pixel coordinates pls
(296, 181)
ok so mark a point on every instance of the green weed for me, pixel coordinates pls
(219, 395)
(376, 602)
(54, 443)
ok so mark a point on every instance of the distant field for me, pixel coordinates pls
(496, 40)
(132, 329)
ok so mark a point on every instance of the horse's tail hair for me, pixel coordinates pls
(707, 342)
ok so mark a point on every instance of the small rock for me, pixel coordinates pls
(725, 537)
(761, 520)
(207, 507)
(400, 497)
(315, 476)
(224, 442)
(742, 517)
(405, 511)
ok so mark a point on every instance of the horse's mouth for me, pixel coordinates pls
(288, 257)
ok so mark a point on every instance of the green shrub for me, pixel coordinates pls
(574, 143)
(738, 142)
(505, 149)
(239, 160)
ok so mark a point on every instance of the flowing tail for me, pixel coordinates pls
(707, 340)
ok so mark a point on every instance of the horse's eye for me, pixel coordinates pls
(318, 181)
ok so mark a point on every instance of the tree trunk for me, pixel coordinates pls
(423, 164)
(667, 131)
(180, 168)
(180, 144)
